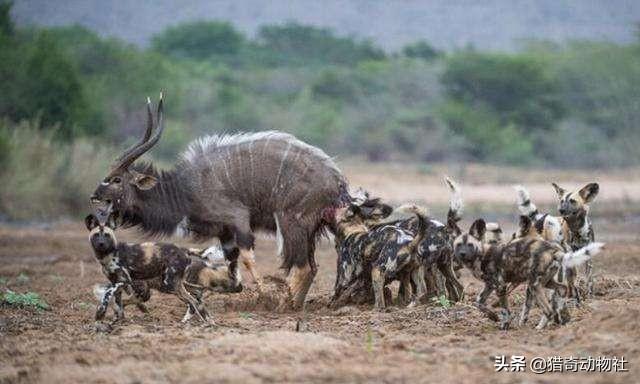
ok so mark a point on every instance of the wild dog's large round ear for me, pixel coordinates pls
(559, 191)
(91, 221)
(478, 229)
(589, 192)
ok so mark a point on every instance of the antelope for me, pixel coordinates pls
(229, 186)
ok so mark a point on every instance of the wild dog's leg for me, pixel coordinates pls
(141, 294)
(454, 288)
(505, 315)
(417, 276)
(558, 301)
(188, 299)
(119, 306)
(405, 290)
(430, 279)
(570, 275)
(481, 302)
(589, 273)
(526, 306)
(106, 298)
(377, 281)
(543, 303)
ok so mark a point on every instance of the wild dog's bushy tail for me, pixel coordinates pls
(99, 290)
(582, 255)
(525, 205)
(421, 214)
(495, 233)
(455, 201)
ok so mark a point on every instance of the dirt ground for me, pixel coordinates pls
(253, 343)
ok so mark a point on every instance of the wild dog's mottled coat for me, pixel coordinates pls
(526, 259)
(572, 229)
(164, 267)
(381, 256)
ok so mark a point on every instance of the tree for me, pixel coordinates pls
(421, 50)
(199, 40)
(517, 88)
(303, 45)
(6, 24)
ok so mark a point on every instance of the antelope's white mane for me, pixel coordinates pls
(206, 143)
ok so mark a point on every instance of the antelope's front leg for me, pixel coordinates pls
(248, 259)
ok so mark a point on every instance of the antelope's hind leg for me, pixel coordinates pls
(298, 247)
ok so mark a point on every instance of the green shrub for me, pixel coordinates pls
(297, 44)
(44, 178)
(421, 50)
(519, 89)
(488, 139)
(199, 40)
(23, 300)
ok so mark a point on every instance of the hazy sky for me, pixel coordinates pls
(494, 24)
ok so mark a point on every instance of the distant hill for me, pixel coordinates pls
(486, 24)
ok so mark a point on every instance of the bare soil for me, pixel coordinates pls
(253, 342)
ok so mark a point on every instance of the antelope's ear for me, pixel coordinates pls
(142, 181)
(589, 192)
(560, 191)
(478, 229)
(91, 221)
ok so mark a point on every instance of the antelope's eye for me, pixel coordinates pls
(116, 179)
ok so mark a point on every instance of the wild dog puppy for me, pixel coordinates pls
(164, 267)
(387, 254)
(572, 229)
(522, 260)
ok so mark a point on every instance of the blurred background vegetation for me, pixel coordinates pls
(71, 99)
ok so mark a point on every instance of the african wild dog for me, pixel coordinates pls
(381, 256)
(164, 267)
(436, 250)
(531, 260)
(572, 229)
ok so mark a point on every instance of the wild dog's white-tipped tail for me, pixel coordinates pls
(525, 205)
(99, 290)
(493, 227)
(455, 201)
(576, 258)
(495, 232)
